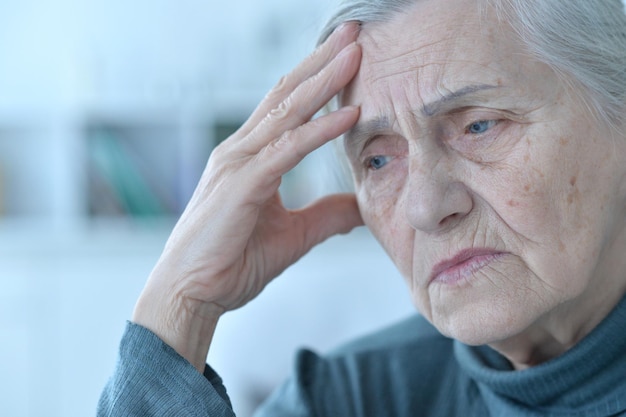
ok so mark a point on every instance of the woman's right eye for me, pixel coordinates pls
(376, 162)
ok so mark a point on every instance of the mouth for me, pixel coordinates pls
(463, 265)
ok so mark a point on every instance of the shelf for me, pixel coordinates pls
(133, 170)
(124, 166)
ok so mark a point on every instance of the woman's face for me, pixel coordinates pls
(486, 180)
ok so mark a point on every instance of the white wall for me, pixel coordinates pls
(92, 52)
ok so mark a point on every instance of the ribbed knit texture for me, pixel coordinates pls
(151, 379)
(407, 370)
(587, 380)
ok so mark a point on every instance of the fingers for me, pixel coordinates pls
(342, 37)
(306, 99)
(285, 134)
(280, 133)
(327, 217)
(288, 150)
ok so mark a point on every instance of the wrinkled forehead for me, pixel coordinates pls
(436, 47)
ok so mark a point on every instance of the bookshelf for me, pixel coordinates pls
(123, 167)
(115, 167)
(134, 168)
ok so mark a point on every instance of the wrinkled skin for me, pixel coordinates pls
(235, 235)
(487, 181)
(495, 192)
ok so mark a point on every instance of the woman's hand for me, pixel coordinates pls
(235, 235)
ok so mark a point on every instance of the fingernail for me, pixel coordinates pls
(352, 25)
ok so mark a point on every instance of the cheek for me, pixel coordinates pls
(379, 195)
(552, 204)
(523, 200)
(525, 191)
(542, 195)
(383, 211)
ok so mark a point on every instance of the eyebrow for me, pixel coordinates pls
(431, 109)
(361, 131)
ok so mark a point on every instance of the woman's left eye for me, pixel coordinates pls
(480, 126)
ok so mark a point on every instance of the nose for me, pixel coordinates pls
(435, 199)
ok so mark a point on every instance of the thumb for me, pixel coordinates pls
(331, 215)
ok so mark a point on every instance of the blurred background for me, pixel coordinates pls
(108, 112)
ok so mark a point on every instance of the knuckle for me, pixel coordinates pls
(285, 110)
(284, 141)
(280, 90)
(224, 160)
(287, 144)
(220, 152)
(280, 148)
(275, 148)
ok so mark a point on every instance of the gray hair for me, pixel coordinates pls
(583, 41)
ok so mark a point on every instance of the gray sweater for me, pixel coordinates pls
(406, 370)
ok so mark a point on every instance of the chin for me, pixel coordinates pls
(470, 335)
(482, 326)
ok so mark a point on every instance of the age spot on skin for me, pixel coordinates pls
(540, 173)
(575, 194)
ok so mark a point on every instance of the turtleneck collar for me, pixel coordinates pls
(589, 379)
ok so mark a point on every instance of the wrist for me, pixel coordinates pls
(184, 324)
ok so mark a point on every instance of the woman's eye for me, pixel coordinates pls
(481, 126)
(377, 162)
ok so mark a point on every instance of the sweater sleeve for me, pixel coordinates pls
(152, 379)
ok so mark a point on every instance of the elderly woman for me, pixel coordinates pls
(487, 142)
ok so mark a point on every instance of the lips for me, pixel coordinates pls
(463, 265)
